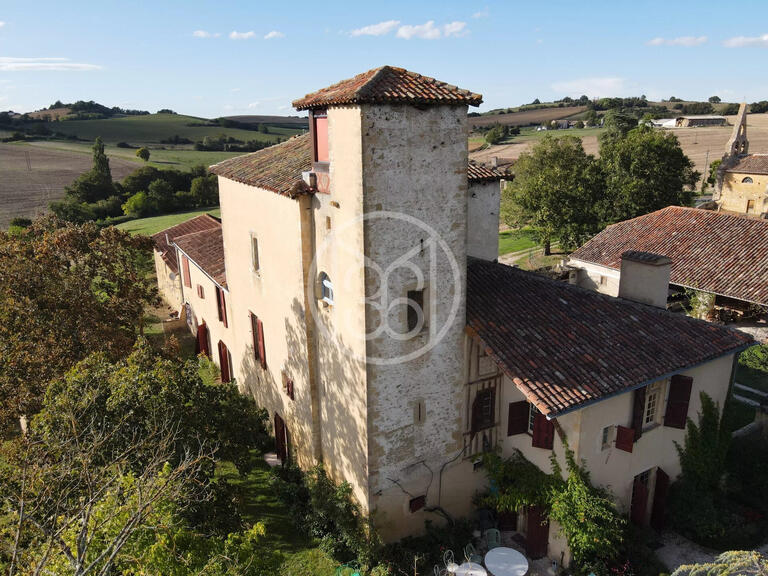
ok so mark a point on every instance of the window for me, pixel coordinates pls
(603, 280)
(608, 436)
(416, 319)
(200, 292)
(652, 401)
(484, 409)
(327, 222)
(320, 129)
(257, 333)
(750, 205)
(747, 180)
(221, 306)
(254, 253)
(325, 288)
(419, 412)
(532, 411)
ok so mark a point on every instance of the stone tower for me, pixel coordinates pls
(738, 143)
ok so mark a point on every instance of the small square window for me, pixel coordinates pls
(416, 504)
(416, 313)
(609, 433)
(200, 292)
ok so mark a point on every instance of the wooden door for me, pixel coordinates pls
(537, 533)
(639, 501)
(202, 345)
(281, 439)
(224, 363)
(659, 509)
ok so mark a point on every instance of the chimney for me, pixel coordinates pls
(645, 278)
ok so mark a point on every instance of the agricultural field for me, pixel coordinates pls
(32, 177)
(151, 129)
(700, 144)
(527, 117)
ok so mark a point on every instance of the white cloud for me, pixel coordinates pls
(484, 13)
(9, 64)
(380, 29)
(274, 34)
(254, 104)
(2, 23)
(592, 87)
(235, 35)
(201, 34)
(687, 41)
(428, 30)
(741, 41)
(234, 90)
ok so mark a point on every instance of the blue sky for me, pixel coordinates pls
(225, 57)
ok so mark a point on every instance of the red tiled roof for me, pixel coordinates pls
(480, 173)
(206, 249)
(277, 168)
(565, 346)
(752, 164)
(196, 224)
(388, 85)
(710, 251)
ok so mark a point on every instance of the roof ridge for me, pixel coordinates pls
(369, 84)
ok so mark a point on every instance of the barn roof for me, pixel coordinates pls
(163, 238)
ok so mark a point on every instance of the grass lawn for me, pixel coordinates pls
(260, 504)
(154, 224)
(516, 240)
(534, 262)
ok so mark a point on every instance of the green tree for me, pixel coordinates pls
(646, 170)
(714, 100)
(96, 184)
(67, 291)
(205, 190)
(139, 205)
(161, 195)
(555, 189)
(143, 153)
(732, 563)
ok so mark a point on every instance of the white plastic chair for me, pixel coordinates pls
(448, 560)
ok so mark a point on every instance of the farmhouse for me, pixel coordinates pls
(699, 121)
(721, 254)
(367, 313)
(742, 178)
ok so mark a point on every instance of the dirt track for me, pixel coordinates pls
(695, 142)
(31, 177)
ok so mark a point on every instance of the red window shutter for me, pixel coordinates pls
(638, 411)
(185, 269)
(321, 137)
(543, 432)
(625, 438)
(639, 503)
(659, 508)
(416, 504)
(262, 355)
(517, 421)
(202, 346)
(222, 305)
(200, 292)
(679, 398)
(224, 362)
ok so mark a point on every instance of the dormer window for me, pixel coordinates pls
(747, 180)
(320, 133)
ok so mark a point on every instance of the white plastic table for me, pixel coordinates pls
(506, 562)
(470, 569)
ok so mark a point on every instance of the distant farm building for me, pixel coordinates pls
(699, 121)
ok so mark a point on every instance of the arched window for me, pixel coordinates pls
(325, 288)
(747, 180)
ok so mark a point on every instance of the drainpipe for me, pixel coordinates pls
(307, 256)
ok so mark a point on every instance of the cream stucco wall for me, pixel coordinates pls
(169, 289)
(483, 202)
(595, 277)
(275, 295)
(735, 194)
(206, 309)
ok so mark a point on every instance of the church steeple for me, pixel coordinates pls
(738, 143)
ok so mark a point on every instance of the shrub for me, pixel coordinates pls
(123, 145)
(313, 561)
(21, 222)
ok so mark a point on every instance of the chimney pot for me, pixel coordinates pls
(645, 278)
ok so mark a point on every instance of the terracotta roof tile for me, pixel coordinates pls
(196, 224)
(480, 173)
(751, 164)
(710, 251)
(566, 346)
(277, 168)
(206, 249)
(388, 85)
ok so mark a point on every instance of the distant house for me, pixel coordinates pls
(722, 254)
(699, 121)
(742, 178)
